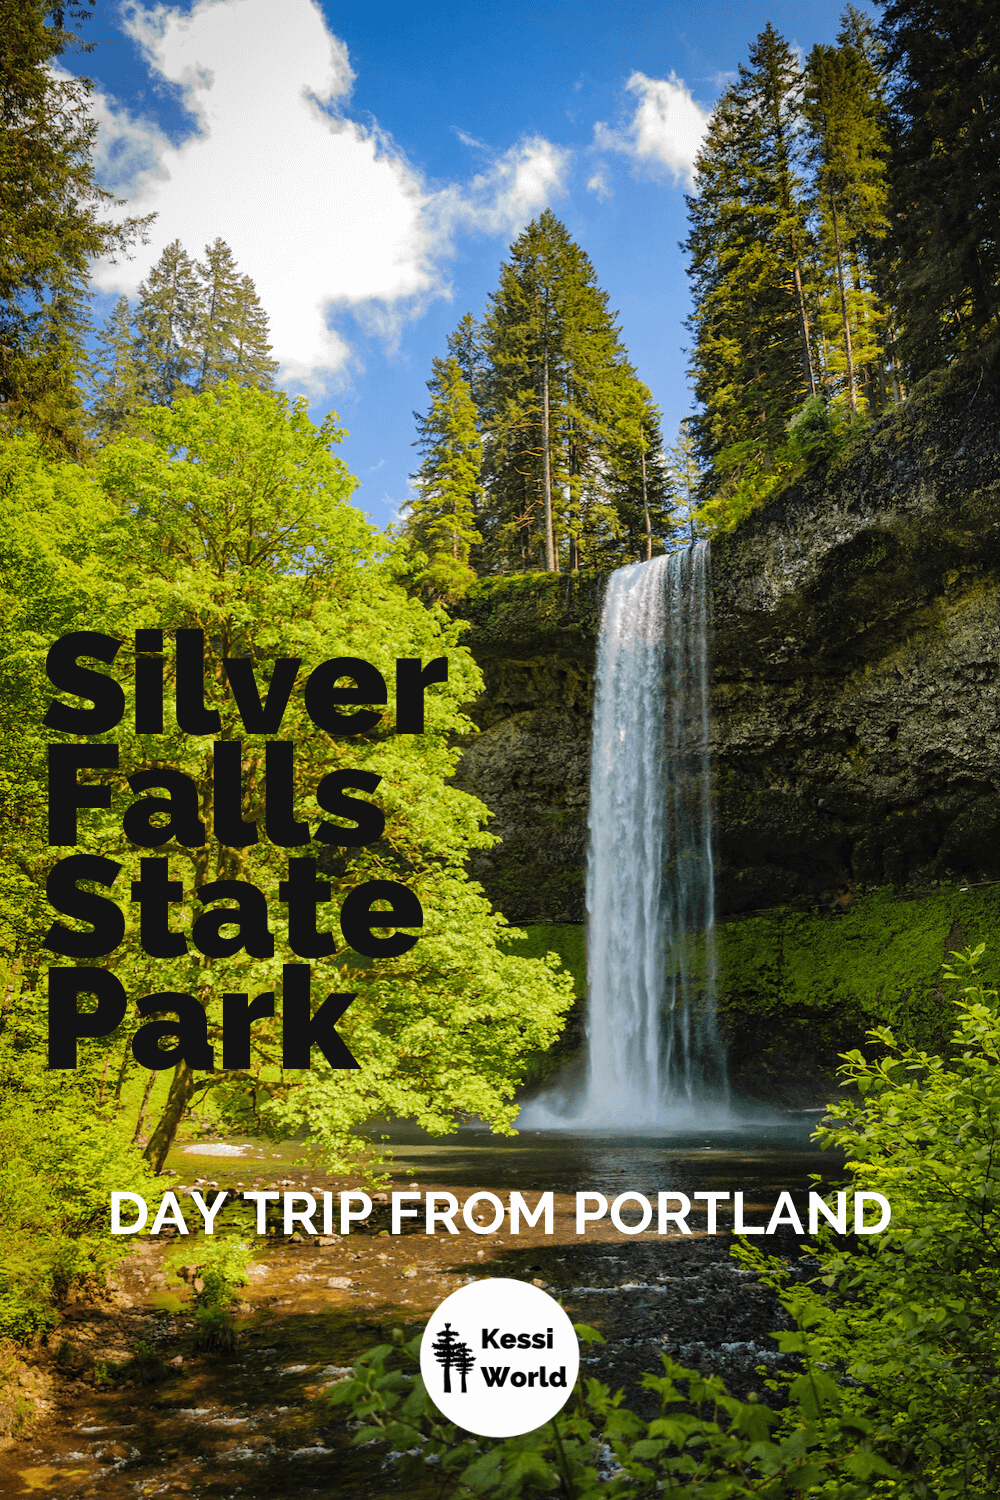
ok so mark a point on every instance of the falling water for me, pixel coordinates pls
(654, 1052)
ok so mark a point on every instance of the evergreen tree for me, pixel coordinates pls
(115, 375)
(944, 57)
(196, 326)
(51, 221)
(567, 428)
(753, 358)
(846, 117)
(465, 346)
(233, 325)
(170, 327)
(684, 476)
(442, 520)
(637, 479)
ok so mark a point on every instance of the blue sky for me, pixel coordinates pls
(369, 165)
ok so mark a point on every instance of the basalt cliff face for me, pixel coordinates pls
(855, 683)
(855, 695)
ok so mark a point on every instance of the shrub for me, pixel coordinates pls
(58, 1167)
(908, 1318)
(704, 1442)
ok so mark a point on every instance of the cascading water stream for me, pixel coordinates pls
(654, 1052)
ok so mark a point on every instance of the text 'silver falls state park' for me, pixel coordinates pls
(499, 750)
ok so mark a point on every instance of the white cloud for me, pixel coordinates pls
(324, 213)
(665, 132)
(598, 183)
(514, 187)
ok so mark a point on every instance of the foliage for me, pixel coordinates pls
(442, 520)
(58, 1167)
(51, 221)
(703, 1442)
(909, 1316)
(571, 474)
(231, 514)
(814, 433)
(196, 326)
(220, 1263)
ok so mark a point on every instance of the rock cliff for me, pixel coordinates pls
(856, 700)
(856, 739)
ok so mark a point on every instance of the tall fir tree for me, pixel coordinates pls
(944, 61)
(753, 358)
(232, 328)
(684, 475)
(567, 427)
(846, 116)
(465, 345)
(52, 221)
(197, 325)
(442, 519)
(170, 326)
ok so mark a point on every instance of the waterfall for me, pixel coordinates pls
(654, 1052)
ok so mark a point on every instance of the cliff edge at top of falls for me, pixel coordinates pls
(855, 682)
(908, 518)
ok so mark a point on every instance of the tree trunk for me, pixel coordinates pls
(104, 1076)
(550, 551)
(807, 364)
(126, 1054)
(848, 349)
(162, 1139)
(142, 1107)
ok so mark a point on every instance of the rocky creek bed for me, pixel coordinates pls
(253, 1421)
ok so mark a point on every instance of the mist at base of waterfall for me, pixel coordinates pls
(704, 1111)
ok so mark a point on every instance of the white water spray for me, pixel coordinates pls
(654, 1052)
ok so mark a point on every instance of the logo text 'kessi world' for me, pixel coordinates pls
(517, 1370)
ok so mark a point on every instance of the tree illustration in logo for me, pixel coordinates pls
(464, 1361)
(453, 1354)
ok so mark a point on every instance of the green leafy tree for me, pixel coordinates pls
(53, 579)
(234, 518)
(442, 520)
(52, 222)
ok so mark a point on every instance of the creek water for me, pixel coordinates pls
(253, 1420)
(762, 1154)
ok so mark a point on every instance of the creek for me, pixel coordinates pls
(248, 1421)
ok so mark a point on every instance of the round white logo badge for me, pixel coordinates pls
(499, 1357)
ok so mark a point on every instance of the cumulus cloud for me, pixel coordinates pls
(323, 212)
(665, 131)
